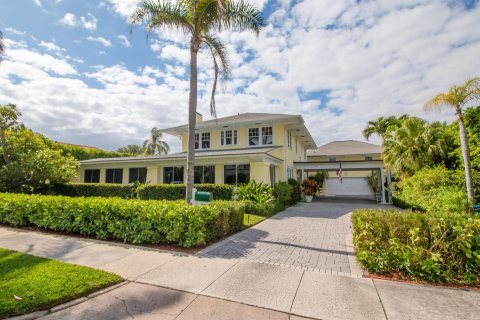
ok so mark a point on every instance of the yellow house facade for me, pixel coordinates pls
(231, 150)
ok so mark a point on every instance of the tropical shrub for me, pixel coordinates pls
(309, 187)
(419, 246)
(177, 191)
(263, 209)
(283, 192)
(106, 190)
(296, 191)
(132, 221)
(256, 192)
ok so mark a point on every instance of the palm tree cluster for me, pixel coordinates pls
(155, 145)
(199, 20)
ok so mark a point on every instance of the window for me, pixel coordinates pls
(267, 135)
(289, 173)
(204, 174)
(92, 176)
(114, 176)
(137, 174)
(273, 175)
(254, 138)
(173, 175)
(332, 159)
(204, 143)
(368, 158)
(228, 137)
(236, 174)
(289, 139)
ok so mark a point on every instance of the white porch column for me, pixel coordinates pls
(303, 176)
(383, 186)
(389, 180)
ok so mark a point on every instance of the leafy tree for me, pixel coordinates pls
(33, 164)
(131, 149)
(457, 98)
(414, 145)
(82, 153)
(199, 19)
(155, 145)
(8, 118)
(382, 125)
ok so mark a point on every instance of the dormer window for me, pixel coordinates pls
(260, 136)
(228, 137)
(202, 140)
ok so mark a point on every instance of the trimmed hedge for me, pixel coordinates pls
(177, 191)
(145, 191)
(437, 248)
(106, 190)
(133, 221)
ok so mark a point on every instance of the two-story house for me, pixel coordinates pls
(229, 150)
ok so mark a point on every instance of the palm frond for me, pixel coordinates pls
(164, 15)
(221, 65)
(2, 47)
(239, 16)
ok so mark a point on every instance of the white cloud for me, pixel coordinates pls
(37, 2)
(50, 46)
(124, 7)
(104, 42)
(15, 31)
(69, 19)
(89, 23)
(124, 41)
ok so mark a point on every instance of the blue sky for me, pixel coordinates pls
(79, 76)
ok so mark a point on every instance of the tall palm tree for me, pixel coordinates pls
(413, 145)
(154, 145)
(199, 19)
(457, 98)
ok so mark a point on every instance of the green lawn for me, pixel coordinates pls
(29, 283)
(251, 219)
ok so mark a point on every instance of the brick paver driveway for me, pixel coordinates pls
(312, 236)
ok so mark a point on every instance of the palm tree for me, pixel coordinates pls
(457, 98)
(198, 19)
(131, 149)
(379, 127)
(413, 145)
(2, 47)
(154, 145)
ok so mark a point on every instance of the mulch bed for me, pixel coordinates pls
(164, 247)
(396, 276)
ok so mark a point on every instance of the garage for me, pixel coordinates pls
(348, 187)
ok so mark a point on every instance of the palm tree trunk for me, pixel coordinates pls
(465, 153)
(6, 158)
(192, 110)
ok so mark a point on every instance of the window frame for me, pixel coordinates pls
(260, 136)
(204, 169)
(138, 174)
(91, 175)
(223, 137)
(115, 179)
(173, 175)
(237, 171)
(199, 140)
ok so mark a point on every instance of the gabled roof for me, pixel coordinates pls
(183, 155)
(257, 119)
(343, 148)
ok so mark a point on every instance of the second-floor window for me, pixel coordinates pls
(228, 137)
(260, 136)
(202, 140)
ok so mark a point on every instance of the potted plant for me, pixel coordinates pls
(309, 188)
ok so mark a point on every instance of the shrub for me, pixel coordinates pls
(263, 209)
(177, 191)
(283, 192)
(131, 221)
(309, 187)
(432, 190)
(256, 192)
(296, 191)
(429, 247)
(106, 190)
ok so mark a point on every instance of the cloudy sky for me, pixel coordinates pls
(79, 75)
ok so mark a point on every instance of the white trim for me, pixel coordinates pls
(200, 140)
(234, 135)
(260, 136)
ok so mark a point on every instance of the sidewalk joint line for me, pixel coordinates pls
(380, 298)
(233, 265)
(296, 291)
(183, 310)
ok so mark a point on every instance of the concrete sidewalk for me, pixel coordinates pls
(194, 280)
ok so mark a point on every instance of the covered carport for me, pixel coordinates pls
(346, 186)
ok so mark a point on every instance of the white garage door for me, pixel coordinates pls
(349, 187)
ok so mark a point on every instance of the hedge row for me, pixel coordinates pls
(419, 246)
(133, 221)
(145, 192)
(177, 191)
